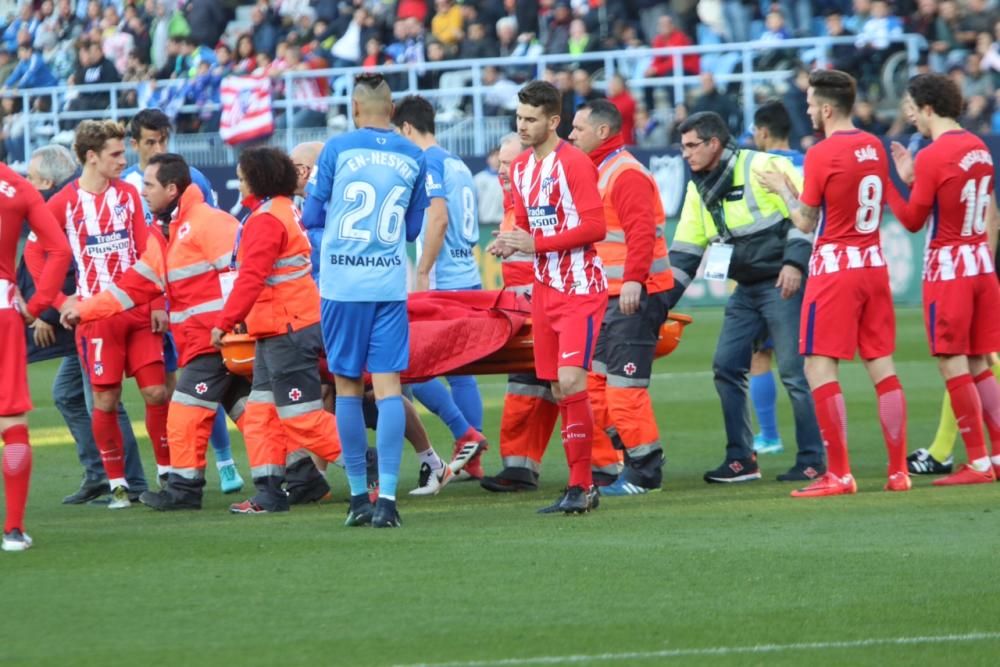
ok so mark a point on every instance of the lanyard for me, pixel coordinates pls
(239, 234)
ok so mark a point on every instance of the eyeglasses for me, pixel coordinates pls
(691, 145)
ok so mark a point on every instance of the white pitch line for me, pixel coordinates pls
(714, 651)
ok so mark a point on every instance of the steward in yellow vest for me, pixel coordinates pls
(737, 230)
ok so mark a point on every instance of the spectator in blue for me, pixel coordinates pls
(31, 71)
(26, 20)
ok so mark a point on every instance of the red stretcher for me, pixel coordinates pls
(476, 332)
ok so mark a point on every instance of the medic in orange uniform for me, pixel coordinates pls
(635, 260)
(190, 260)
(277, 299)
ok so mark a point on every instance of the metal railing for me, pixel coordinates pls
(733, 64)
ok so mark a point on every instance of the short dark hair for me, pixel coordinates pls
(937, 90)
(149, 119)
(708, 125)
(836, 87)
(416, 111)
(172, 169)
(541, 94)
(774, 116)
(603, 112)
(269, 172)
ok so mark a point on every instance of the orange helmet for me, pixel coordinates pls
(238, 353)
(670, 333)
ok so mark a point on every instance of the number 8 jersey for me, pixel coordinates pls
(846, 176)
(449, 178)
(374, 184)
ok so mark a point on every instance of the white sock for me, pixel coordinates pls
(222, 464)
(162, 470)
(981, 465)
(392, 498)
(430, 457)
(115, 482)
(995, 460)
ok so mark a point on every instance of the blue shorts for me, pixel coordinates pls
(365, 335)
(169, 353)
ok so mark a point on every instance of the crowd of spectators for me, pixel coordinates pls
(199, 42)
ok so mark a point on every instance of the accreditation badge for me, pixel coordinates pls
(717, 262)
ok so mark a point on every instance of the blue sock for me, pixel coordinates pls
(436, 398)
(220, 437)
(354, 440)
(465, 393)
(764, 395)
(389, 441)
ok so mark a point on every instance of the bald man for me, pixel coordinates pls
(373, 182)
(304, 158)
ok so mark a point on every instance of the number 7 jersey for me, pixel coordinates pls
(846, 176)
(374, 183)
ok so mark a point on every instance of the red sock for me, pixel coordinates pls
(989, 396)
(108, 438)
(562, 420)
(578, 438)
(16, 475)
(832, 417)
(892, 415)
(968, 409)
(156, 426)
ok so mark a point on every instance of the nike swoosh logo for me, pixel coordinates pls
(567, 355)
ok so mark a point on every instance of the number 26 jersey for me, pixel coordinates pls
(374, 183)
(846, 176)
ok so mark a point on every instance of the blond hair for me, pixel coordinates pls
(93, 135)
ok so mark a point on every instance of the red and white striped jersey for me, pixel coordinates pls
(557, 200)
(107, 232)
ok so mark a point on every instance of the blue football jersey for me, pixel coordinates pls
(798, 158)
(133, 176)
(449, 178)
(373, 184)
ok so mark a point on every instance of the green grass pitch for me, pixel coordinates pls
(696, 574)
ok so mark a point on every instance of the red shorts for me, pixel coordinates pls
(565, 329)
(847, 312)
(961, 315)
(116, 345)
(15, 398)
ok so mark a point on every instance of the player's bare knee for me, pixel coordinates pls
(978, 363)
(572, 380)
(155, 394)
(10, 421)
